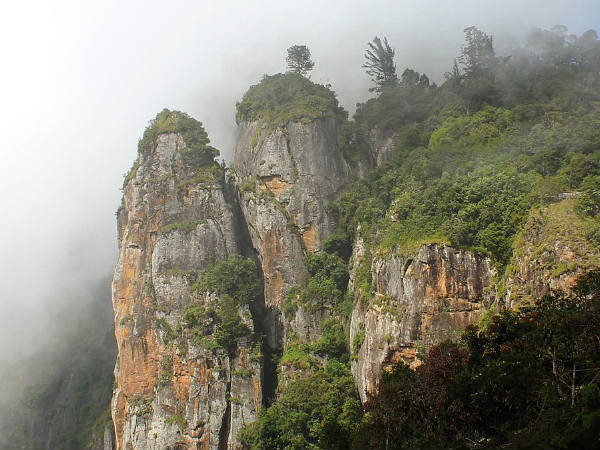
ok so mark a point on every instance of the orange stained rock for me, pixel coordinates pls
(257, 392)
(275, 184)
(273, 253)
(182, 378)
(442, 283)
(243, 358)
(138, 366)
(309, 237)
(430, 292)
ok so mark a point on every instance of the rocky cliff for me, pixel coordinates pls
(555, 247)
(176, 386)
(411, 302)
(226, 284)
(177, 218)
(288, 177)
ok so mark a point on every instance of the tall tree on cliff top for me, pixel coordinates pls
(478, 56)
(298, 59)
(479, 65)
(380, 64)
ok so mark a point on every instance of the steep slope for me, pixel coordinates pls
(177, 219)
(412, 302)
(289, 169)
(553, 250)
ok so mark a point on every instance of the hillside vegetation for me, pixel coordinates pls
(471, 161)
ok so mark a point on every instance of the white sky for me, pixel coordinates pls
(80, 80)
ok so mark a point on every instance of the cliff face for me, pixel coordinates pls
(381, 145)
(417, 301)
(175, 388)
(287, 178)
(175, 220)
(551, 252)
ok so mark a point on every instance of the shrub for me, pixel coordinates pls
(235, 276)
(319, 411)
(197, 151)
(281, 98)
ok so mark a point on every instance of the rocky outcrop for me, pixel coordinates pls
(176, 389)
(415, 301)
(175, 220)
(381, 145)
(287, 177)
(553, 250)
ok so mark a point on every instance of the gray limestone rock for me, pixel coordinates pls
(170, 392)
(287, 178)
(418, 301)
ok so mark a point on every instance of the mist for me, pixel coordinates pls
(80, 81)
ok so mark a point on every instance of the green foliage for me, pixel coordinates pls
(185, 227)
(479, 64)
(297, 354)
(558, 224)
(319, 293)
(354, 143)
(169, 335)
(332, 342)
(327, 265)
(470, 157)
(545, 191)
(166, 370)
(290, 303)
(199, 318)
(130, 175)
(235, 276)
(298, 59)
(324, 288)
(357, 342)
(338, 244)
(589, 202)
(139, 406)
(206, 175)
(525, 379)
(471, 186)
(243, 373)
(279, 99)
(236, 283)
(215, 327)
(380, 64)
(197, 152)
(363, 279)
(179, 420)
(249, 186)
(314, 412)
(394, 108)
(229, 328)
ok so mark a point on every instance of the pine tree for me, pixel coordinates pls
(380, 64)
(298, 59)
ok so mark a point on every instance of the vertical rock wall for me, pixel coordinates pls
(287, 177)
(550, 253)
(169, 392)
(417, 301)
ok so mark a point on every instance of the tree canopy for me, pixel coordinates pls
(380, 64)
(298, 59)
